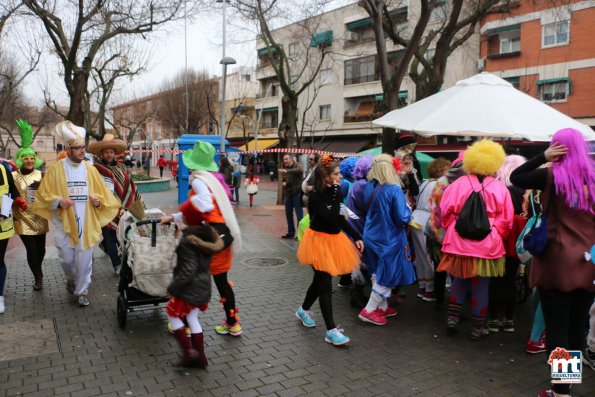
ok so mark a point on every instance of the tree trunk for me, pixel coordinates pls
(76, 112)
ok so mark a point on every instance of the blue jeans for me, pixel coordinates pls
(293, 202)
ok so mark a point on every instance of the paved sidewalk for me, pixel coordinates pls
(58, 349)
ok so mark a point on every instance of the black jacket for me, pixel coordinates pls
(192, 275)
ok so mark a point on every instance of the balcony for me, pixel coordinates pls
(511, 54)
(361, 109)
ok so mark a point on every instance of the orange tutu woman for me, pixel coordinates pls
(326, 249)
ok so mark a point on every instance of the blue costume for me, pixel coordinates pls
(387, 251)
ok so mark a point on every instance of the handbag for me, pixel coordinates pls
(536, 239)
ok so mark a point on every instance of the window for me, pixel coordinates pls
(555, 33)
(438, 10)
(326, 76)
(554, 91)
(246, 77)
(293, 49)
(361, 70)
(270, 118)
(515, 81)
(158, 132)
(510, 41)
(325, 112)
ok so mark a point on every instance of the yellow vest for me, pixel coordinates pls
(6, 226)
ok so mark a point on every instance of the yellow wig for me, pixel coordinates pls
(383, 170)
(484, 157)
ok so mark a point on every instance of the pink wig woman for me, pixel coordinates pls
(511, 163)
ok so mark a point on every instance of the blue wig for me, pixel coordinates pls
(347, 166)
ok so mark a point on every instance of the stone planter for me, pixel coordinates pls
(155, 185)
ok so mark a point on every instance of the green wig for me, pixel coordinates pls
(26, 133)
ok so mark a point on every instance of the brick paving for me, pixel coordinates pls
(276, 356)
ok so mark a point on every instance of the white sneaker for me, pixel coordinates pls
(83, 300)
(2, 304)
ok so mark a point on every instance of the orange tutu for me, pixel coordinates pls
(334, 254)
(221, 261)
(468, 266)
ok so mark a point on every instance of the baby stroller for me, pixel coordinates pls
(148, 259)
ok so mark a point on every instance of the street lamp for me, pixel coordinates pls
(225, 61)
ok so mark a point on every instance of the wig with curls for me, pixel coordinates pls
(574, 173)
(362, 167)
(438, 167)
(484, 157)
(347, 166)
(511, 163)
(383, 170)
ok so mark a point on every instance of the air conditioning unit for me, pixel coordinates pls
(481, 64)
(351, 36)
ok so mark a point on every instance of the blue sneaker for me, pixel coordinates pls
(336, 337)
(304, 315)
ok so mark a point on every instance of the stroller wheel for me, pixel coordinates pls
(122, 311)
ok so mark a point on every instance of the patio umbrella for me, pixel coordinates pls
(483, 105)
(424, 159)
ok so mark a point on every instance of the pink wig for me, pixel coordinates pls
(459, 158)
(511, 163)
(574, 174)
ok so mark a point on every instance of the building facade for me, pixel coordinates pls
(546, 49)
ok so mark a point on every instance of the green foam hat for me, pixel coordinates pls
(26, 133)
(200, 157)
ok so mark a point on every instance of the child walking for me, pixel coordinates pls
(190, 291)
(251, 186)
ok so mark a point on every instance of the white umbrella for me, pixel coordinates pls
(482, 105)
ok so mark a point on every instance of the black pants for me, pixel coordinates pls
(161, 172)
(35, 246)
(503, 290)
(227, 296)
(439, 277)
(110, 242)
(321, 288)
(3, 271)
(566, 314)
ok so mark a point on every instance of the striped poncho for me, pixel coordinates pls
(124, 190)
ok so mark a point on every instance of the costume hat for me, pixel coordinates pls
(200, 157)
(70, 134)
(108, 142)
(26, 133)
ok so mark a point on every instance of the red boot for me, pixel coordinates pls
(189, 354)
(199, 345)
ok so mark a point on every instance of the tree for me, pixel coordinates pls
(295, 72)
(391, 78)
(80, 29)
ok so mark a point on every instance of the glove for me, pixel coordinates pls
(20, 203)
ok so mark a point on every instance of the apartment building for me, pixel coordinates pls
(338, 108)
(546, 51)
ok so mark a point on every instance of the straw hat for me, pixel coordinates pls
(200, 157)
(108, 142)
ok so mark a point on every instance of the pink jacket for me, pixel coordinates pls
(500, 213)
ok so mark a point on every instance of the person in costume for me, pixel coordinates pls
(30, 227)
(251, 186)
(8, 191)
(346, 167)
(119, 181)
(209, 203)
(471, 263)
(190, 291)
(387, 249)
(326, 248)
(564, 273)
(74, 197)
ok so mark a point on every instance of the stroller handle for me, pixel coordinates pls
(153, 223)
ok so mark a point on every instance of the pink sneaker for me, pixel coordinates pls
(388, 312)
(372, 317)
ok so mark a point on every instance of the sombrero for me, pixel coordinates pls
(108, 142)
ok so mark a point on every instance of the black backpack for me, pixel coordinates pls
(473, 222)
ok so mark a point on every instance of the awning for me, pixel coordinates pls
(402, 95)
(262, 144)
(322, 38)
(342, 145)
(503, 29)
(557, 80)
(362, 23)
(266, 51)
(513, 80)
(273, 109)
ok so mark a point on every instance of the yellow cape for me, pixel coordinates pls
(53, 187)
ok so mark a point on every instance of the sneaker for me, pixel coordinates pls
(421, 292)
(546, 393)
(508, 326)
(117, 271)
(70, 286)
(478, 333)
(340, 285)
(494, 326)
(305, 316)
(288, 237)
(452, 325)
(388, 312)
(83, 300)
(429, 296)
(535, 347)
(335, 336)
(372, 317)
(2, 307)
(233, 330)
(589, 358)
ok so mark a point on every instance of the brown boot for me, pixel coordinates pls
(38, 285)
(189, 354)
(199, 345)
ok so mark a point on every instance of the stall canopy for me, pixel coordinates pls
(262, 144)
(486, 106)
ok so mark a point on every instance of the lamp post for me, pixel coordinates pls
(225, 61)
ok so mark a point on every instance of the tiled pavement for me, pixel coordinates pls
(90, 356)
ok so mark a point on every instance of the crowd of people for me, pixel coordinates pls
(372, 221)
